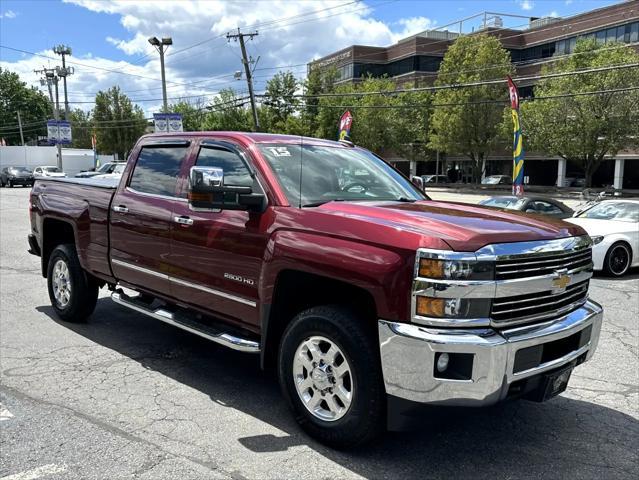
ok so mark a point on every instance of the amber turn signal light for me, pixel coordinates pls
(429, 268)
(430, 307)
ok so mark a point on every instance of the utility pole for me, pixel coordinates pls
(51, 77)
(20, 125)
(63, 72)
(239, 36)
(161, 46)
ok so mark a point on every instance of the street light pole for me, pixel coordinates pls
(161, 46)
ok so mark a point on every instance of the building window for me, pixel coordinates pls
(634, 32)
(601, 37)
(621, 30)
(611, 35)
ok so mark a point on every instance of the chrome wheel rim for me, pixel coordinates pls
(619, 260)
(323, 378)
(61, 283)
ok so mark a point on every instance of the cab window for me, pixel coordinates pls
(235, 171)
(157, 169)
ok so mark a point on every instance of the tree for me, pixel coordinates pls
(279, 100)
(467, 120)
(33, 105)
(317, 82)
(228, 112)
(82, 128)
(118, 123)
(585, 128)
(193, 114)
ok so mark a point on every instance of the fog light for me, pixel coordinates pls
(442, 362)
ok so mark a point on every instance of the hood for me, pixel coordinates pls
(462, 226)
(55, 174)
(595, 226)
(21, 174)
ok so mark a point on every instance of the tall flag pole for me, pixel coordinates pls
(345, 123)
(518, 141)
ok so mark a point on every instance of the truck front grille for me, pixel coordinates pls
(532, 266)
(537, 306)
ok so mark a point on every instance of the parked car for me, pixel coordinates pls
(613, 226)
(104, 169)
(530, 204)
(434, 179)
(16, 176)
(52, 172)
(575, 182)
(115, 172)
(370, 301)
(497, 180)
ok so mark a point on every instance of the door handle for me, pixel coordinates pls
(183, 220)
(120, 209)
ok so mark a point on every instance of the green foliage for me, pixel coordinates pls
(33, 105)
(279, 100)
(463, 122)
(317, 82)
(82, 128)
(119, 122)
(193, 114)
(381, 122)
(584, 129)
(226, 114)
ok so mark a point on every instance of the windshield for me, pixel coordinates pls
(511, 203)
(20, 169)
(105, 168)
(335, 173)
(51, 169)
(622, 211)
(119, 168)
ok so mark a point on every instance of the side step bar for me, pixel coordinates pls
(204, 331)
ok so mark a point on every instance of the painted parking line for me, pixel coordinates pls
(36, 473)
(4, 413)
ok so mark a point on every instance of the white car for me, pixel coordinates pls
(613, 226)
(50, 172)
(117, 172)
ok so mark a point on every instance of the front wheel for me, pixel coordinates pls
(329, 372)
(618, 258)
(72, 292)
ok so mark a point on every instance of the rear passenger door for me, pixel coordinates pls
(141, 216)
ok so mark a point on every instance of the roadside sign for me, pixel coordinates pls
(167, 122)
(59, 131)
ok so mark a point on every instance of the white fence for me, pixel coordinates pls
(74, 160)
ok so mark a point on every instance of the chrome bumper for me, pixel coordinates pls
(408, 356)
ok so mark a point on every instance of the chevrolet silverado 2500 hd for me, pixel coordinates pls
(369, 299)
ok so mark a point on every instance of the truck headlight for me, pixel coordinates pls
(455, 269)
(431, 307)
(597, 239)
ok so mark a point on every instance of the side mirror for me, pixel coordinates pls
(208, 192)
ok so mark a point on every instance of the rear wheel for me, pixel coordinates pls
(618, 258)
(329, 372)
(10, 183)
(72, 292)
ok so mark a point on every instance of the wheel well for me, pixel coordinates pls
(296, 291)
(54, 232)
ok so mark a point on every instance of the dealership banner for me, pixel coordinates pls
(518, 141)
(167, 122)
(345, 123)
(59, 131)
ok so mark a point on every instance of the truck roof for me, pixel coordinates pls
(251, 137)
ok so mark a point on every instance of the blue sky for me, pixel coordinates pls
(112, 36)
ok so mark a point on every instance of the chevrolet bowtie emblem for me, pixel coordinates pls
(561, 281)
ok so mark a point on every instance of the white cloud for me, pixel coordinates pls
(568, 2)
(290, 33)
(554, 13)
(8, 14)
(526, 5)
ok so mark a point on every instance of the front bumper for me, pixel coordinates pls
(408, 355)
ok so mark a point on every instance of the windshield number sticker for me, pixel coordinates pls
(280, 151)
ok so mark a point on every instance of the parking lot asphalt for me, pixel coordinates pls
(124, 396)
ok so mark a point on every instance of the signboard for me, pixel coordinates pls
(345, 123)
(167, 122)
(59, 132)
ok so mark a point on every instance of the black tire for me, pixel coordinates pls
(10, 183)
(618, 259)
(365, 417)
(83, 291)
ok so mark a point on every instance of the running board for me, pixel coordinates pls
(190, 325)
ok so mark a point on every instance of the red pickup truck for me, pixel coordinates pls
(369, 299)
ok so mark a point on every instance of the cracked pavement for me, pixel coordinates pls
(124, 396)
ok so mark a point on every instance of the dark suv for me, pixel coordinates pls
(16, 176)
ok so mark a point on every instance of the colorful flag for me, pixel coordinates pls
(345, 123)
(518, 141)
